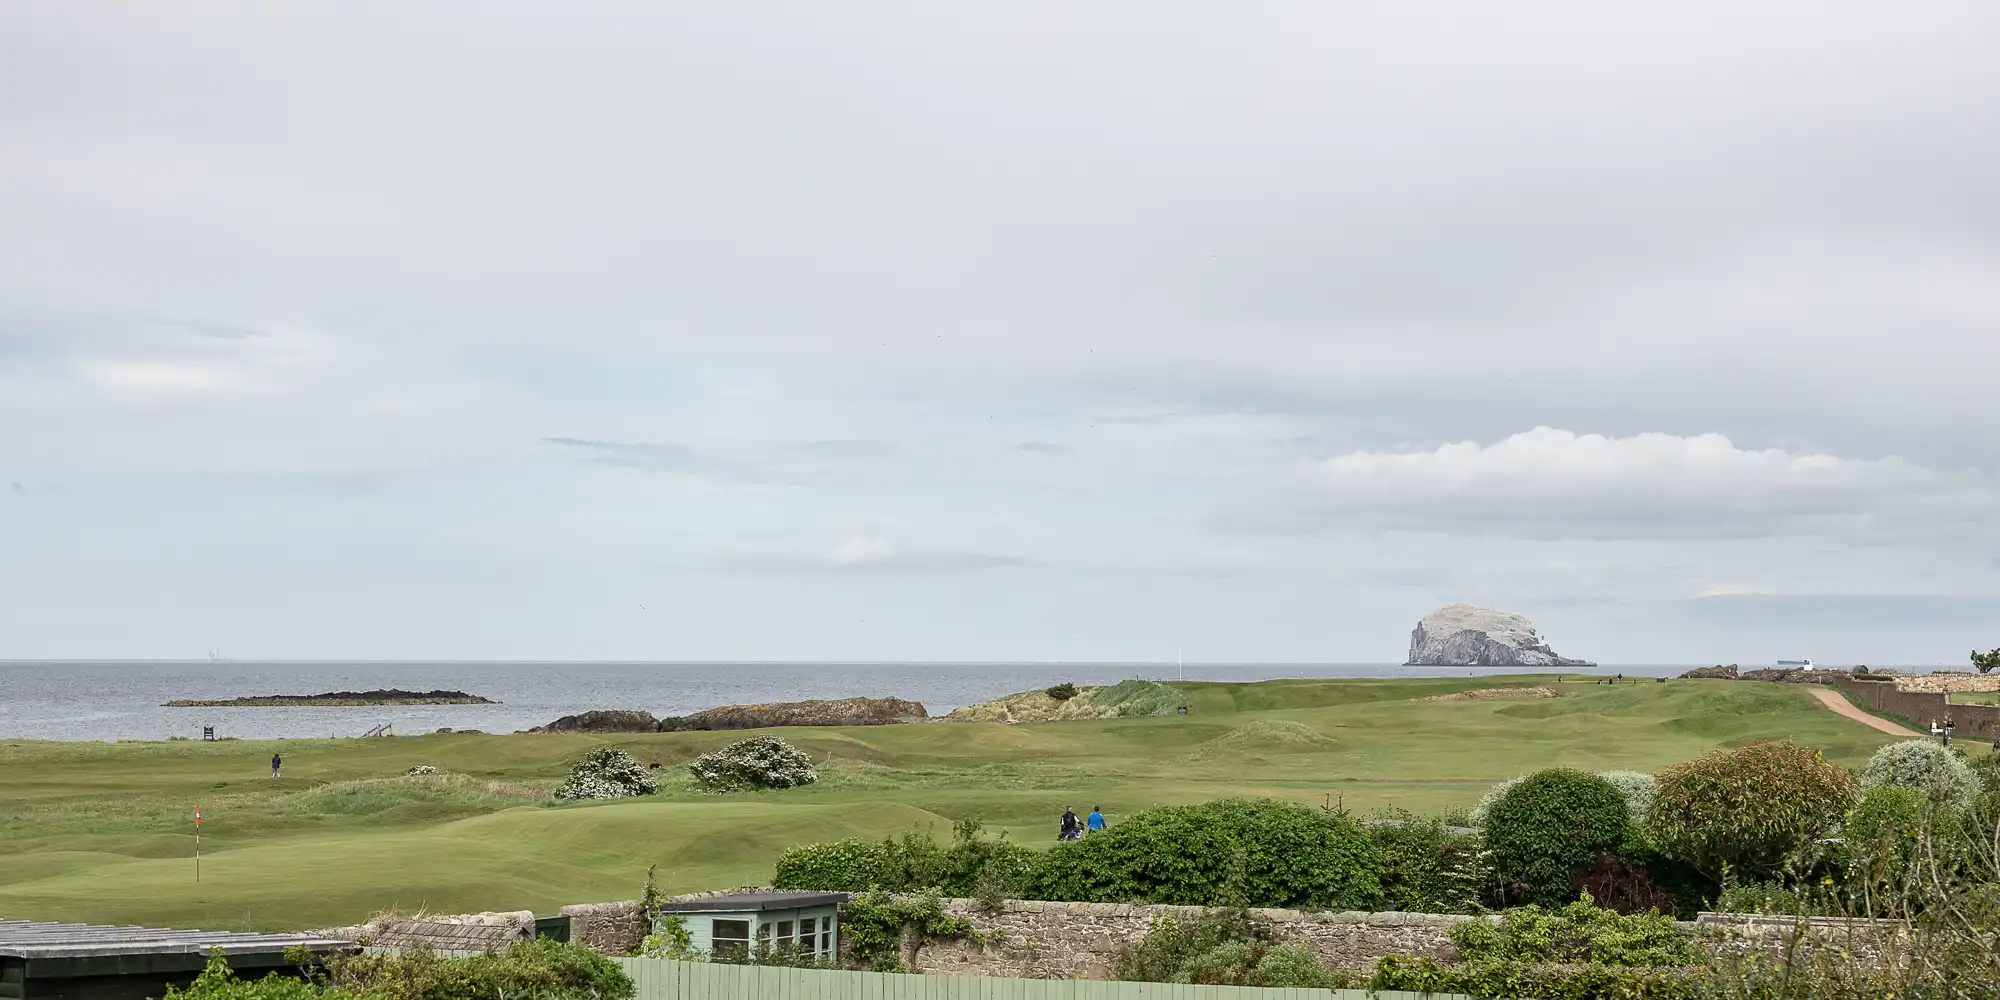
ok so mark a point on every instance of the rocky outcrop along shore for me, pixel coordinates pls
(337, 699)
(836, 712)
(1460, 635)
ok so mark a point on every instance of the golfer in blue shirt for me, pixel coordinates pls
(1096, 820)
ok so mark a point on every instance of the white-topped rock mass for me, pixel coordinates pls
(1460, 635)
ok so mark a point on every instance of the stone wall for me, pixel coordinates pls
(1920, 707)
(1029, 939)
(611, 928)
(1938, 683)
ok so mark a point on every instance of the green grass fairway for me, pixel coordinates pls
(102, 832)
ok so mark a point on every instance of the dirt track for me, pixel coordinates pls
(1834, 700)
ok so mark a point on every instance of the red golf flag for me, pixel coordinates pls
(197, 815)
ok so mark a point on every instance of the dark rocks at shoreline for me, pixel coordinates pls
(603, 721)
(1717, 672)
(840, 712)
(337, 699)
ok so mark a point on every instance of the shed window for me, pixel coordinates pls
(809, 936)
(729, 938)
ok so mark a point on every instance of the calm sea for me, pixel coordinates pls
(108, 701)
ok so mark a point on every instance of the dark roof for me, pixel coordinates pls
(32, 939)
(755, 901)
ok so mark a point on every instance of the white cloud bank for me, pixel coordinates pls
(872, 554)
(1551, 483)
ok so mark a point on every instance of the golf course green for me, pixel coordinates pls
(104, 833)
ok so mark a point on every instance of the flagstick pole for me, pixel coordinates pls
(197, 852)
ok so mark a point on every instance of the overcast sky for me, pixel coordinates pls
(1017, 332)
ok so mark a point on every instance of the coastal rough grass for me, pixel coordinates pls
(102, 832)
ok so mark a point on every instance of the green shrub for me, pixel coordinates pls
(1510, 980)
(909, 863)
(1747, 809)
(850, 865)
(1579, 933)
(875, 923)
(1932, 768)
(1255, 852)
(1548, 827)
(541, 968)
(1225, 948)
(1427, 868)
(218, 982)
(1062, 692)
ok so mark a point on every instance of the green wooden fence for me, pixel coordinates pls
(660, 979)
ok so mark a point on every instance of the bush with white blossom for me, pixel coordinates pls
(759, 762)
(1931, 768)
(422, 770)
(607, 773)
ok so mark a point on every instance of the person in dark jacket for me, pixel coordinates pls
(275, 762)
(1071, 828)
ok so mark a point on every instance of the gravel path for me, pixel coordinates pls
(1834, 700)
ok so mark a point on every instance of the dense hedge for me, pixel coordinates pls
(971, 865)
(1224, 948)
(1548, 827)
(1229, 852)
(1544, 981)
(541, 969)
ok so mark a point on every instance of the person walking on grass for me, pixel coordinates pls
(1095, 822)
(276, 761)
(1071, 827)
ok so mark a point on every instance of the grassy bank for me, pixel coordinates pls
(102, 832)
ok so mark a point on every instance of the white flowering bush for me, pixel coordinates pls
(1928, 767)
(1486, 802)
(422, 769)
(1637, 787)
(607, 773)
(759, 762)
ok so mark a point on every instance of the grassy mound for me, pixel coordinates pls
(1125, 699)
(1263, 738)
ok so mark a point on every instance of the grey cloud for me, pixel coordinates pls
(1043, 448)
(1844, 611)
(862, 554)
(782, 462)
(1555, 484)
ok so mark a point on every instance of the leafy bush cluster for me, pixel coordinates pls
(607, 773)
(1062, 692)
(1542, 980)
(1228, 852)
(914, 862)
(422, 770)
(758, 762)
(529, 970)
(1749, 809)
(1427, 868)
(1224, 948)
(1578, 933)
(541, 969)
(876, 925)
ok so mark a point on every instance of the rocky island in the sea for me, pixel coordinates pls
(337, 699)
(1460, 635)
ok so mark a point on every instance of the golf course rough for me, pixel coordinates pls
(101, 832)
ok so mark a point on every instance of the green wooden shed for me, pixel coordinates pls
(731, 926)
(50, 961)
